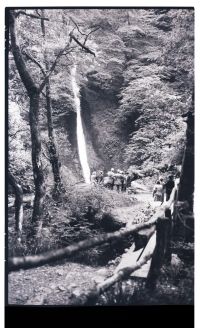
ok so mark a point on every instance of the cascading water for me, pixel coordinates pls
(79, 129)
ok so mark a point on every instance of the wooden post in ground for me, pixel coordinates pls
(175, 207)
(159, 253)
(168, 234)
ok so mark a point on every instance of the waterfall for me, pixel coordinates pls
(79, 129)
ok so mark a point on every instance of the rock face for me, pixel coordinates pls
(105, 144)
(129, 94)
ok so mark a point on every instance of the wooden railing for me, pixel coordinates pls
(162, 221)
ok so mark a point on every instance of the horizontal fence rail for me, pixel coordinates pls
(162, 219)
(31, 261)
(123, 274)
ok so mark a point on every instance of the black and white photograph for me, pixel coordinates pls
(100, 156)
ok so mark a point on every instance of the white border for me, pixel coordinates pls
(115, 3)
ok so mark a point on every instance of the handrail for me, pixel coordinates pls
(31, 261)
(122, 274)
(157, 255)
(163, 232)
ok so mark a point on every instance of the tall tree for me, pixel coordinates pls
(18, 203)
(34, 93)
(54, 157)
(34, 85)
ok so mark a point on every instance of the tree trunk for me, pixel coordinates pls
(128, 18)
(36, 161)
(53, 153)
(34, 94)
(18, 203)
(186, 187)
(54, 158)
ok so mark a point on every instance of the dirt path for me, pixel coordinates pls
(53, 285)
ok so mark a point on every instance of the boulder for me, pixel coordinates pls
(116, 218)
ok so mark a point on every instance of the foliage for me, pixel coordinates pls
(141, 78)
(19, 147)
(152, 104)
(76, 217)
(172, 289)
(133, 93)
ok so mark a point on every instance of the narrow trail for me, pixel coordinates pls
(54, 284)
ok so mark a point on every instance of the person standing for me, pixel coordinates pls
(128, 180)
(162, 183)
(122, 180)
(158, 192)
(108, 181)
(118, 180)
(100, 177)
(169, 185)
(125, 176)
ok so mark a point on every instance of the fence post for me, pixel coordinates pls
(175, 206)
(168, 234)
(158, 255)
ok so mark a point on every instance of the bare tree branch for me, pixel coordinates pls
(49, 73)
(45, 155)
(28, 56)
(92, 31)
(68, 52)
(13, 135)
(37, 11)
(21, 12)
(86, 35)
(82, 45)
(44, 94)
(77, 26)
(52, 67)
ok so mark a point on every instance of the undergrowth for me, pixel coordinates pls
(75, 217)
(173, 288)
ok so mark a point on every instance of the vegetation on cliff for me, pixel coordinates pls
(133, 90)
(136, 79)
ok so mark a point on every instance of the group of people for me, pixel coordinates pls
(118, 180)
(162, 190)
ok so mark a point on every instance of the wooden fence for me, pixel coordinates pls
(162, 222)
